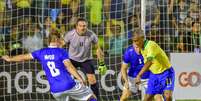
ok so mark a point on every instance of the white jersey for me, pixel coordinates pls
(80, 47)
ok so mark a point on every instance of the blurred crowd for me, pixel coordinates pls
(174, 24)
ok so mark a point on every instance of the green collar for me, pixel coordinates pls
(145, 43)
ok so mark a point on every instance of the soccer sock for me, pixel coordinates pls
(92, 99)
(94, 88)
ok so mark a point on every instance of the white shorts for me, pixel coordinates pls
(78, 92)
(133, 87)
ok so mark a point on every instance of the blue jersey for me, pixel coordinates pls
(52, 62)
(136, 62)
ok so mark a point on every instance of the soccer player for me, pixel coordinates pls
(162, 75)
(79, 42)
(133, 58)
(58, 70)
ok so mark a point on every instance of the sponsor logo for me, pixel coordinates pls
(189, 79)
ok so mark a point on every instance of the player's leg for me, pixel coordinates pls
(148, 97)
(61, 96)
(169, 82)
(88, 68)
(125, 94)
(81, 93)
(93, 83)
(153, 88)
(158, 97)
(75, 63)
(168, 95)
(143, 87)
(92, 98)
(133, 88)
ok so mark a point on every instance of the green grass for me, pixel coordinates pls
(176, 100)
(188, 100)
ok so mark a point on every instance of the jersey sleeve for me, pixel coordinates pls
(64, 55)
(36, 54)
(152, 51)
(126, 57)
(94, 38)
(67, 37)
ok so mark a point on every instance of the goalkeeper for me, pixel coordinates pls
(135, 61)
(79, 42)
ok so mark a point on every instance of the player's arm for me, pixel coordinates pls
(99, 52)
(145, 68)
(151, 54)
(100, 55)
(71, 69)
(62, 42)
(102, 68)
(65, 41)
(152, 51)
(124, 68)
(18, 58)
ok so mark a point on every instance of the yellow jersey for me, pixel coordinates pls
(2, 6)
(23, 4)
(160, 61)
(65, 2)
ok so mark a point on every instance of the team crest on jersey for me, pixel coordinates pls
(49, 57)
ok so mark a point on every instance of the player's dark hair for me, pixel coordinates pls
(79, 20)
(54, 36)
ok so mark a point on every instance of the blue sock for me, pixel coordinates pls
(92, 99)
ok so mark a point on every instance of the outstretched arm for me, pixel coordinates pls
(17, 58)
(71, 69)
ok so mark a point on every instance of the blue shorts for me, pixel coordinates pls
(158, 83)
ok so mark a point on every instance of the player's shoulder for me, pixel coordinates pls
(42, 49)
(90, 32)
(130, 49)
(39, 51)
(71, 32)
(60, 49)
(49, 49)
(150, 42)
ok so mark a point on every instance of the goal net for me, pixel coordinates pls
(25, 26)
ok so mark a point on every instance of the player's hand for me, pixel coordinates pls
(6, 57)
(102, 68)
(138, 80)
(126, 85)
